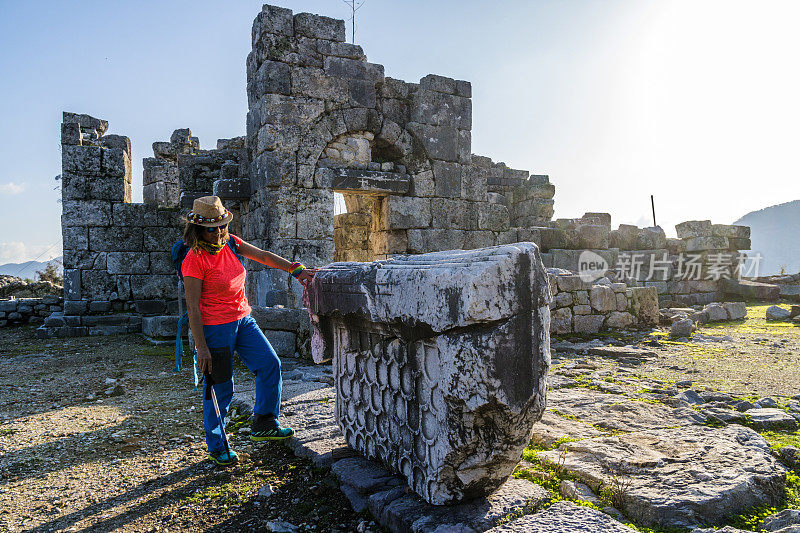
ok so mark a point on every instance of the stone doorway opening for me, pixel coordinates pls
(361, 170)
(352, 229)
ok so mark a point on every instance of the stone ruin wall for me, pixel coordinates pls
(322, 119)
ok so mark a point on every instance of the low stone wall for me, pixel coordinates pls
(28, 310)
(582, 306)
(288, 330)
(685, 271)
(60, 325)
(788, 285)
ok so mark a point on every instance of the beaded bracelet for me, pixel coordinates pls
(296, 268)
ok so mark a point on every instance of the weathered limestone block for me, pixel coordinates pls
(403, 212)
(593, 236)
(426, 240)
(232, 189)
(588, 323)
(438, 109)
(730, 231)
(751, 290)
(86, 122)
(735, 310)
(644, 304)
(624, 238)
(440, 362)
(433, 82)
(651, 238)
(319, 27)
(619, 320)
(562, 320)
(603, 298)
(562, 517)
(703, 243)
(678, 477)
(440, 142)
(364, 181)
(693, 228)
(739, 243)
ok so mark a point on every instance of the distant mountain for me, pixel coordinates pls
(28, 269)
(775, 233)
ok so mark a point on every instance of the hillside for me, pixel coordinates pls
(27, 269)
(775, 233)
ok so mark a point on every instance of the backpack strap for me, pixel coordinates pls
(235, 249)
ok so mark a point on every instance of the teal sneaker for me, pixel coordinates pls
(278, 433)
(223, 458)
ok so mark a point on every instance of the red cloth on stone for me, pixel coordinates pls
(222, 299)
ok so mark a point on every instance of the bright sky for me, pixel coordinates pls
(694, 101)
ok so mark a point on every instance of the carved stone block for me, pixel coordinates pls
(440, 362)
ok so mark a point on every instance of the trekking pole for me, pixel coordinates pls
(223, 436)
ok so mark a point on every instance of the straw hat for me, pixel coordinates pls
(209, 212)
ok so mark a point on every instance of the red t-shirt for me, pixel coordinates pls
(222, 299)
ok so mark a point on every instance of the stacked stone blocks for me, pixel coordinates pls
(581, 305)
(116, 253)
(15, 311)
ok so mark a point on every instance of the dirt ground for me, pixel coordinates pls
(98, 433)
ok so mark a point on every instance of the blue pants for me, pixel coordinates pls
(244, 337)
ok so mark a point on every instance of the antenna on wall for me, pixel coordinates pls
(354, 6)
(653, 205)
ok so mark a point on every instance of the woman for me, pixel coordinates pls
(219, 317)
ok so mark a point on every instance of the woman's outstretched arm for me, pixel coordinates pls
(273, 260)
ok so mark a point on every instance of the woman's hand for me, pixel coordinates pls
(306, 275)
(204, 360)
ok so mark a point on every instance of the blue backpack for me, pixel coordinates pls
(178, 253)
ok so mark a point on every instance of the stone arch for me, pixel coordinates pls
(388, 135)
(362, 233)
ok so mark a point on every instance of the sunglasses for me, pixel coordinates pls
(213, 229)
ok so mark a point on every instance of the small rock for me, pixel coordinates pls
(685, 384)
(690, 396)
(775, 312)
(712, 396)
(292, 375)
(681, 328)
(578, 491)
(767, 403)
(110, 381)
(727, 416)
(771, 419)
(790, 456)
(362, 526)
(615, 513)
(265, 491)
(716, 313)
(743, 405)
(726, 529)
(788, 518)
(279, 526)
